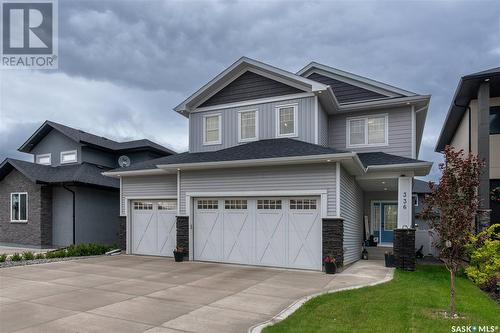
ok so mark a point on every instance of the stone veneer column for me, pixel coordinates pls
(404, 249)
(183, 233)
(333, 239)
(122, 233)
(45, 215)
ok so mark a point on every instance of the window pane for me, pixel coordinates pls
(376, 130)
(167, 205)
(43, 159)
(212, 128)
(390, 217)
(286, 120)
(208, 204)
(247, 125)
(495, 120)
(357, 131)
(15, 207)
(268, 204)
(68, 157)
(22, 207)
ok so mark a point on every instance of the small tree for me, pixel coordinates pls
(451, 208)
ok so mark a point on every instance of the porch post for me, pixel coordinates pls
(405, 185)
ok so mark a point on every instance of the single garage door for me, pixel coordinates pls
(153, 227)
(281, 232)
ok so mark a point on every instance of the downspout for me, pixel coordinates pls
(74, 218)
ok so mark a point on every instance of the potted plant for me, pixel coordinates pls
(330, 264)
(179, 254)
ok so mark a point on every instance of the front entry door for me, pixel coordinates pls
(388, 221)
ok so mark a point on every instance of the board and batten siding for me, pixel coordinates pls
(351, 210)
(267, 123)
(282, 178)
(147, 186)
(399, 131)
(322, 126)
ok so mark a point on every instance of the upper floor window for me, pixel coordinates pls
(19, 207)
(495, 120)
(44, 159)
(69, 156)
(248, 125)
(212, 129)
(367, 131)
(286, 120)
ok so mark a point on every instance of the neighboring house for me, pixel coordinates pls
(473, 124)
(63, 198)
(281, 169)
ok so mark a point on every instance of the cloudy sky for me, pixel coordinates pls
(123, 65)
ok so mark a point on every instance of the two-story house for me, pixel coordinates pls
(62, 198)
(473, 125)
(282, 169)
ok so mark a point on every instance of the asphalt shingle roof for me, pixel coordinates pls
(84, 137)
(379, 158)
(420, 186)
(84, 173)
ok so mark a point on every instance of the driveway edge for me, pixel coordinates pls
(298, 303)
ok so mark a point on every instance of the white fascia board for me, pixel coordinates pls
(261, 162)
(361, 79)
(257, 193)
(247, 63)
(370, 105)
(147, 172)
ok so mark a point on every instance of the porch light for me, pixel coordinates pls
(328, 160)
(385, 188)
(383, 183)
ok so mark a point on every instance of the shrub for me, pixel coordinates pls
(86, 249)
(28, 255)
(484, 252)
(16, 257)
(39, 256)
(3, 257)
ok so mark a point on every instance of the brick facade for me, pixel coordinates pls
(333, 239)
(404, 249)
(38, 230)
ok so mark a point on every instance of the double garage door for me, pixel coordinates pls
(153, 227)
(281, 232)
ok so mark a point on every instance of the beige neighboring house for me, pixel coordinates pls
(473, 124)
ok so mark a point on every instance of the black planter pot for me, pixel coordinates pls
(178, 256)
(330, 268)
(389, 260)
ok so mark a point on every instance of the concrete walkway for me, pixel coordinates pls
(148, 294)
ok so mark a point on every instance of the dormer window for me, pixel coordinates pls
(211, 129)
(69, 157)
(44, 159)
(248, 126)
(286, 120)
(367, 131)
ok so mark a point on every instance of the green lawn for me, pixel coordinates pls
(406, 304)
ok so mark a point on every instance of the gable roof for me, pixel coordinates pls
(420, 186)
(356, 80)
(238, 68)
(91, 139)
(465, 92)
(84, 173)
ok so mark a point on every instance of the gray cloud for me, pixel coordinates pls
(125, 64)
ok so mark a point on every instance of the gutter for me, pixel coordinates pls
(144, 172)
(74, 216)
(383, 103)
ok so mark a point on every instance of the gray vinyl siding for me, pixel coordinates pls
(54, 143)
(147, 186)
(351, 210)
(62, 216)
(250, 86)
(322, 126)
(267, 124)
(282, 178)
(399, 131)
(99, 157)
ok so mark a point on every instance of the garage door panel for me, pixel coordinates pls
(304, 239)
(167, 233)
(270, 238)
(144, 233)
(238, 237)
(208, 231)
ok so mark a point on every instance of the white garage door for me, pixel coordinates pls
(153, 227)
(281, 232)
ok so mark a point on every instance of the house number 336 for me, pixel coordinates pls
(405, 200)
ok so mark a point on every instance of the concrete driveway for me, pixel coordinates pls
(149, 294)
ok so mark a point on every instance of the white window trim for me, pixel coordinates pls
(27, 208)
(49, 155)
(256, 137)
(295, 125)
(366, 144)
(209, 143)
(68, 152)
